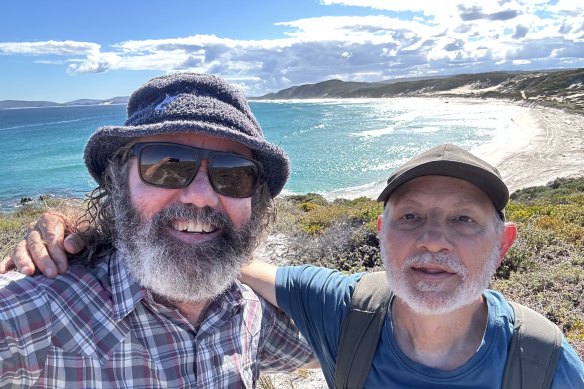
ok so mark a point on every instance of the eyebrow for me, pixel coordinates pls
(404, 200)
(463, 203)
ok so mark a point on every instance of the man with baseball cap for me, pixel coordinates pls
(184, 194)
(443, 234)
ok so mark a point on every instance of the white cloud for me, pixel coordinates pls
(434, 37)
(49, 48)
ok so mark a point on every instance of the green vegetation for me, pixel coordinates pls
(543, 270)
(556, 88)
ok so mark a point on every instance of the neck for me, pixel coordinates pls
(192, 311)
(444, 342)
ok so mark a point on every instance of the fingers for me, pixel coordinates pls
(20, 260)
(51, 232)
(43, 248)
(73, 244)
(39, 256)
(6, 265)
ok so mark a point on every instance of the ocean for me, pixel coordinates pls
(338, 148)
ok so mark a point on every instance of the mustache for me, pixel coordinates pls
(190, 212)
(439, 259)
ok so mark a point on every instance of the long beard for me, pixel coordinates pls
(431, 298)
(173, 269)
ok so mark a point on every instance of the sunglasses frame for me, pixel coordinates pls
(201, 154)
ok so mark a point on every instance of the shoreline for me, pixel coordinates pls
(534, 146)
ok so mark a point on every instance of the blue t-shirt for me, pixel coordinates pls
(318, 300)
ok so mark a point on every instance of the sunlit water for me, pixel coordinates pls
(341, 148)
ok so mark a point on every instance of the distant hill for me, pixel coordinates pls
(560, 88)
(25, 104)
(4, 104)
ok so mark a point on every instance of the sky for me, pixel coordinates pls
(62, 50)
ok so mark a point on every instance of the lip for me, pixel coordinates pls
(432, 273)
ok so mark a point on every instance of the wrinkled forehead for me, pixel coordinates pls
(436, 190)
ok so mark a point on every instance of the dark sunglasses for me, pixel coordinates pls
(174, 166)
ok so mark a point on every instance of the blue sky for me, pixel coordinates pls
(63, 50)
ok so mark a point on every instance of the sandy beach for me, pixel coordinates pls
(535, 146)
(540, 145)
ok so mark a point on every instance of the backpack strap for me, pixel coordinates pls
(361, 329)
(534, 350)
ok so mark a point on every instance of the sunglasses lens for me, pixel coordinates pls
(167, 166)
(233, 176)
(174, 166)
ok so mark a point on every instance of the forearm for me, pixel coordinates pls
(261, 277)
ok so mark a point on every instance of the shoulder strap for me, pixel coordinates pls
(360, 332)
(534, 350)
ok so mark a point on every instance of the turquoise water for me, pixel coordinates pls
(342, 148)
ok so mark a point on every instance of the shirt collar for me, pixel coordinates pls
(126, 291)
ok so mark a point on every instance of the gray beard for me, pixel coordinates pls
(175, 270)
(428, 298)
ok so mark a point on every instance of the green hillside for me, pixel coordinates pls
(559, 88)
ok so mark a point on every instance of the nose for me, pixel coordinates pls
(434, 238)
(200, 192)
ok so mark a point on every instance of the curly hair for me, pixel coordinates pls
(97, 226)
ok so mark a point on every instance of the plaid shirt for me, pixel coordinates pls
(97, 328)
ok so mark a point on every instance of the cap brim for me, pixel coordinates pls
(488, 182)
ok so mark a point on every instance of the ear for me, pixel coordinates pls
(379, 223)
(507, 239)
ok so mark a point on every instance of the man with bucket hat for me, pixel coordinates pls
(184, 195)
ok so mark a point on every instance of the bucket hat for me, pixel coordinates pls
(189, 103)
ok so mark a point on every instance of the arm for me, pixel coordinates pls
(261, 277)
(283, 348)
(44, 247)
